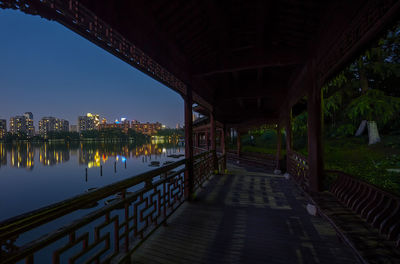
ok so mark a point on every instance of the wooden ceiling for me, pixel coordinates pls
(245, 58)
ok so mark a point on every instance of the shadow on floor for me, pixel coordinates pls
(246, 216)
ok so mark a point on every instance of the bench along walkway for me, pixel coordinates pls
(246, 216)
(366, 217)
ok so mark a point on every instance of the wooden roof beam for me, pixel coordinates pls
(255, 60)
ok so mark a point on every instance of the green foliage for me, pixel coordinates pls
(299, 130)
(373, 105)
(345, 130)
(333, 104)
(265, 142)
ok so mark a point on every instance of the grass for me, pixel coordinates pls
(367, 162)
(351, 155)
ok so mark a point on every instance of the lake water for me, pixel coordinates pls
(35, 175)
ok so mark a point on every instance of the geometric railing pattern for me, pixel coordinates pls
(121, 217)
(298, 168)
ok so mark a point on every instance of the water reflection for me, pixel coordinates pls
(3, 155)
(22, 154)
(50, 154)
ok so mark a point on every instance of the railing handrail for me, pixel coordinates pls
(61, 232)
(26, 221)
(298, 154)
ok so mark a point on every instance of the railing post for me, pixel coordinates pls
(314, 124)
(189, 177)
(213, 133)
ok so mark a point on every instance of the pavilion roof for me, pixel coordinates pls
(247, 60)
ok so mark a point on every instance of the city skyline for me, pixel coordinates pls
(89, 79)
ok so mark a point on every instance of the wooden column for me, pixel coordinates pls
(314, 123)
(288, 129)
(213, 133)
(189, 176)
(239, 144)
(278, 145)
(224, 138)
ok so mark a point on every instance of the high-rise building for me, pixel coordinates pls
(52, 124)
(3, 128)
(30, 128)
(64, 125)
(88, 122)
(18, 125)
(22, 125)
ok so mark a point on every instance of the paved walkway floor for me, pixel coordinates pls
(246, 216)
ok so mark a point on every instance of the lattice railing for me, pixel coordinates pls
(199, 150)
(202, 168)
(133, 209)
(298, 168)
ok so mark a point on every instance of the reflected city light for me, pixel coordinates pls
(22, 155)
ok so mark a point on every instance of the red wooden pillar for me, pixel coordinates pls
(288, 128)
(189, 176)
(224, 137)
(213, 133)
(314, 123)
(278, 145)
(239, 144)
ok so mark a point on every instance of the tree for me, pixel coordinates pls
(365, 89)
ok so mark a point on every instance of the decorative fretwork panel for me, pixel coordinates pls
(137, 207)
(202, 169)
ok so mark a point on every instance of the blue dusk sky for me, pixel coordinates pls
(49, 70)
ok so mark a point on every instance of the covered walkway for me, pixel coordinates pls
(246, 216)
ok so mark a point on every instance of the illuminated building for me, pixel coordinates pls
(104, 121)
(146, 128)
(88, 122)
(3, 128)
(30, 128)
(124, 124)
(52, 124)
(22, 124)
